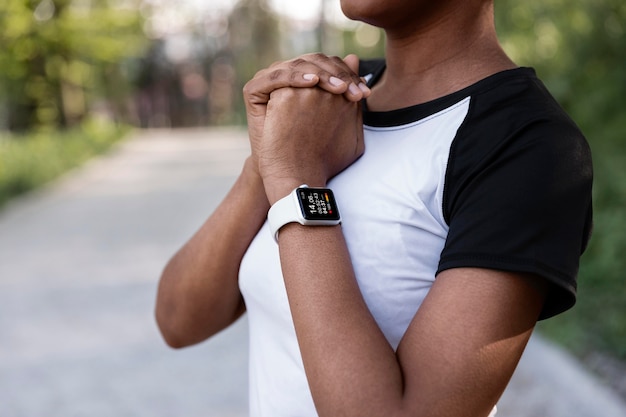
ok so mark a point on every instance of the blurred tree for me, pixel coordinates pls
(254, 42)
(186, 78)
(58, 56)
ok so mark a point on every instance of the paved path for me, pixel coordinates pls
(79, 263)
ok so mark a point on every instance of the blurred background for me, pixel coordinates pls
(77, 76)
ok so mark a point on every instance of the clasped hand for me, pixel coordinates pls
(304, 121)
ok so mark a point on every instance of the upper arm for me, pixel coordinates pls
(518, 194)
(466, 339)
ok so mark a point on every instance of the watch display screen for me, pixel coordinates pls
(318, 204)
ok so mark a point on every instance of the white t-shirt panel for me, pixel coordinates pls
(390, 201)
(508, 159)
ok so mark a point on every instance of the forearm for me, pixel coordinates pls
(455, 359)
(198, 293)
(351, 368)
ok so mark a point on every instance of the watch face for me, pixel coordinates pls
(318, 204)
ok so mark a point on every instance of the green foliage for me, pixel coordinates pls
(29, 160)
(56, 55)
(577, 47)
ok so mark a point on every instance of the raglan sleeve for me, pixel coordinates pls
(523, 205)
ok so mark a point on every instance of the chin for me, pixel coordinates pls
(364, 11)
(374, 12)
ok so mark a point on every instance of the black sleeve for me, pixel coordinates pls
(518, 198)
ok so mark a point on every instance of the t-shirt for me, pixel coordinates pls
(494, 176)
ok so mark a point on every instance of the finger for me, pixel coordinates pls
(333, 76)
(352, 61)
(258, 89)
(335, 72)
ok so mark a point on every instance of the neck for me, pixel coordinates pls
(450, 52)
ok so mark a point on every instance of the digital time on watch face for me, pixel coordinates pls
(318, 204)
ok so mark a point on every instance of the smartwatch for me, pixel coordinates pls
(305, 205)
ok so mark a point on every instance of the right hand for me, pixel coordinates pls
(310, 136)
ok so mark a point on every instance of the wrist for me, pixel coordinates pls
(252, 180)
(276, 189)
(309, 206)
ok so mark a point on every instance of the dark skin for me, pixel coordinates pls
(464, 342)
(198, 292)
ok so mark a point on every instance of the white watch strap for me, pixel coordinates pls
(285, 210)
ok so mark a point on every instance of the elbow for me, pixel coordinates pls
(170, 331)
(181, 327)
(172, 322)
(181, 332)
(186, 316)
(169, 313)
(174, 342)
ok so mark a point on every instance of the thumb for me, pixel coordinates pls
(352, 61)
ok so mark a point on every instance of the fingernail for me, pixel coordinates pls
(337, 82)
(354, 89)
(364, 88)
(309, 77)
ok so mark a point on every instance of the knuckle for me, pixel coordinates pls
(322, 73)
(319, 56)
(293, 75)
(275, 74)
(248, 88)
(296, 62)
(336, 59)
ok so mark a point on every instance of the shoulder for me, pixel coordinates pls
(509, 102)
(514, 121)
(518, 187)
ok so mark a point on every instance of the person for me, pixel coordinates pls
(465, 199)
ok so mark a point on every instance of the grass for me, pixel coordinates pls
(30, 160)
